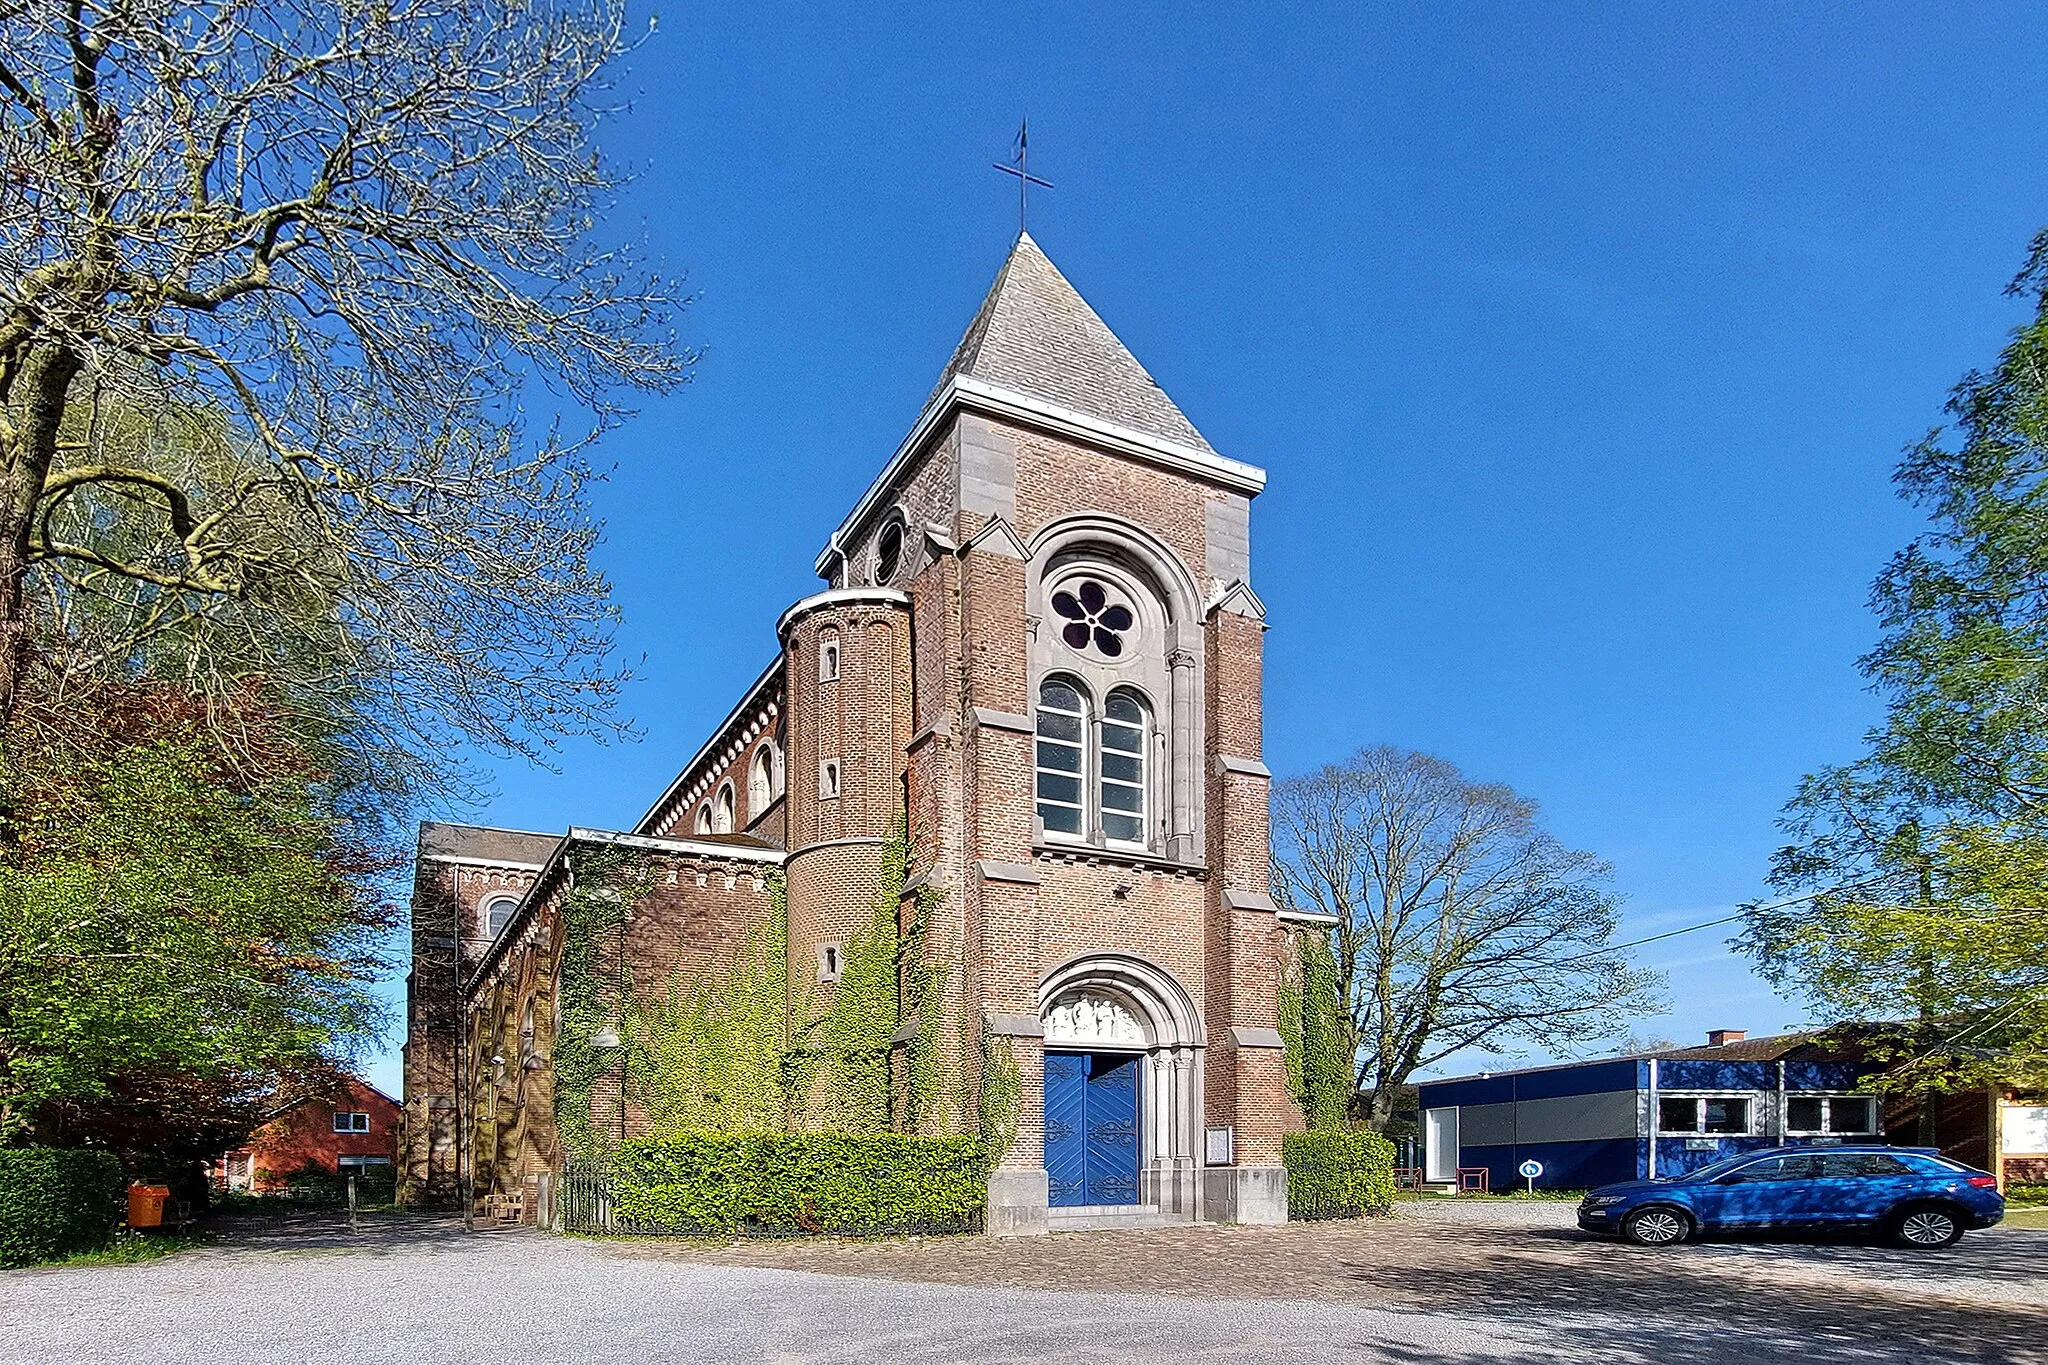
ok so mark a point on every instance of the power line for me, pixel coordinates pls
(1937, 911)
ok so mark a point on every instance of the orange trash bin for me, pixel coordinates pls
(146, 1205)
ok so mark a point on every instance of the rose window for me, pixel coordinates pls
(1091, 618)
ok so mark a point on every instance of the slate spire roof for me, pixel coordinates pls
(1036, 335)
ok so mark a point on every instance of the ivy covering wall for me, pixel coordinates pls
(589, 986)
(713, 1054)
(743, 1052)
(1316, 1030)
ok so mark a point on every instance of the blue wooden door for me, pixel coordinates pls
(1091, 1129)
(1112, 1130)
(1066, 1128)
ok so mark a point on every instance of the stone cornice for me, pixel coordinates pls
(966, 393)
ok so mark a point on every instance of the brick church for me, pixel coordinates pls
(1038, 654)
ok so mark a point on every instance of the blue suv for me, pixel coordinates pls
(1914, 1195)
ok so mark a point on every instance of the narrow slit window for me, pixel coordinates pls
(722, 811)
(828, 659)
(1062, 757)
(1123, 769)
(828, 779)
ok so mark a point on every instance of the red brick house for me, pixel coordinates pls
(1037, 652)
(339, 1131)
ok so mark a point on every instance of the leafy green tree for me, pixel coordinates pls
(1920, 867)
(161, 917)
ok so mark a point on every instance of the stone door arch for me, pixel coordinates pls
(1114, 1002)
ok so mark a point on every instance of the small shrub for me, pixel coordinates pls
(796, 1184)
(1337, 1173)
(56, 1202)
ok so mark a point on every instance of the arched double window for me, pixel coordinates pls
(1093, 779)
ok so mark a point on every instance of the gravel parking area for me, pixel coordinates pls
(1493, 1282)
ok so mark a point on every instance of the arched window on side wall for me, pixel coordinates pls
(722, 811)
(498, 913)
(1121, 784)
(761, 780)
(1062, 761)
(704, 819)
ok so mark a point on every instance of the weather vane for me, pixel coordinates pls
(1020, 166)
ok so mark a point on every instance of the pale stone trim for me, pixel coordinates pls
(1008, 872)
(965, 391)
(1249, 900)
(840, 597)
(1250, 767)
(842, 843)
(484, 862)
(940, 728)
(1015, 1026)
(1257, 1037)
(738, 853)
(1315, 917)
(1238, 597)
(998, 537)
(1125, 857)
(905, 1031)
(993, 719)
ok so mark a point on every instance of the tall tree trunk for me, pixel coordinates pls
(37, 398)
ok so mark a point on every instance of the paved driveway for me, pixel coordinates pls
(1495, 1282)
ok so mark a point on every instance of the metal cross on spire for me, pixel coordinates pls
(1020, 159)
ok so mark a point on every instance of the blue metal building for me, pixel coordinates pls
(1660, 1113)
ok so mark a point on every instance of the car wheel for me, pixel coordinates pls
(1926, 1227)
(1656, 1226)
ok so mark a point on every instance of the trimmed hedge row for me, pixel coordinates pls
(56, 1202)
(797, 1184)
(1338, 1173)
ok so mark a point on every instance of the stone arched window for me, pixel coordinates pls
(704, 818)
(722, 810)
(1093, 773)
(1115, 612)
(497, 913)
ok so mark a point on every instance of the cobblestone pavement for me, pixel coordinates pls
(1516, 1260)
(1507, 1284)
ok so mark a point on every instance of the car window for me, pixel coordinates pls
(1840, 1165)
(1775, 1169)
(1932, 1165)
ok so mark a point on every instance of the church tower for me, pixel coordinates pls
(1066, 561)
(1037, 661)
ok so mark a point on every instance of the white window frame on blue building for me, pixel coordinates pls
(1751, 1100)
(1827, 1098)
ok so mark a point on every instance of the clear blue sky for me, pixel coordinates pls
(1579, 342)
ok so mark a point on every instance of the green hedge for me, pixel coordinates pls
(55, 1202)
(797, 1184)
(1337, 1173)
